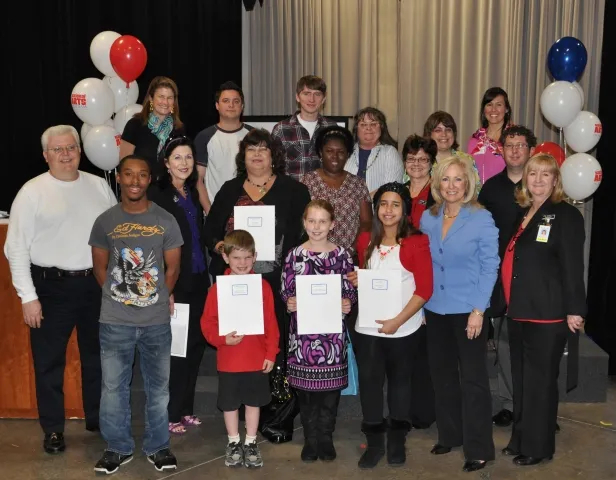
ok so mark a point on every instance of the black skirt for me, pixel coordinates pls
(243, 388)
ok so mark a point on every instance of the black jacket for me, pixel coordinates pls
(165, 199)
(548, 278)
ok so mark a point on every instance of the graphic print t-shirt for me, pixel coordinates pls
(135, 293)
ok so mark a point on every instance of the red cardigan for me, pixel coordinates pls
(249, 354)
(414, 256)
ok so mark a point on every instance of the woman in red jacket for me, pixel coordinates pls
(388, 352)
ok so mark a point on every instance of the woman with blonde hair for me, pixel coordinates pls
(464, 249)
(543, 281)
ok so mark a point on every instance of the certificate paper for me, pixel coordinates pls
(240, 304)
(260, 222)
(319, 304)
(179, 329)
(380, 296)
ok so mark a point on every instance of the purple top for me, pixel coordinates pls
(317, 362)
(190, 210)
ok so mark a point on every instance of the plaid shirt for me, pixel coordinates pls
(299, 148)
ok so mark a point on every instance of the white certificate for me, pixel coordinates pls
(179, 329)
(260, 222)
(380, 296)
(319, 304)
(240, 304)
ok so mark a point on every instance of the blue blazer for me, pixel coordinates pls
(465, 262)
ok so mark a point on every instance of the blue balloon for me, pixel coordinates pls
(567, 59)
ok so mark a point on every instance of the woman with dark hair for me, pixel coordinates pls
(346, 192)
(375, 157)
(419, 155)
(148, 131)
(260, 180)
(176, 192)
(484, 145)
(387, 352)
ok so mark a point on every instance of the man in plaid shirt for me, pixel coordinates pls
(297, 132)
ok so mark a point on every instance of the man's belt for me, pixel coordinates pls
(53, 272)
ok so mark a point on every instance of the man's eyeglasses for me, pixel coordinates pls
(66, 149)
(417, 160)
(515, 146)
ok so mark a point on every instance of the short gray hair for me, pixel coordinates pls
(58, 130)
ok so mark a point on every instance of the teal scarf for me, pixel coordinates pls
(162, 130)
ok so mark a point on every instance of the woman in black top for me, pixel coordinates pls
(260, 180)
(148, 131)
(177, 193)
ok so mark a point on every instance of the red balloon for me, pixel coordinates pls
(128, 57)
(553, 149)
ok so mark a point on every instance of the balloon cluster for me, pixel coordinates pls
(106, 105)
(561, 103)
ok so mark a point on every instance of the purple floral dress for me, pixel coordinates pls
(317, 362)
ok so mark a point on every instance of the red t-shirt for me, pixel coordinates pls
(507, 273)
(418, 206)
(248, 355)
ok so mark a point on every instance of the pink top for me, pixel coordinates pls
(487, 153)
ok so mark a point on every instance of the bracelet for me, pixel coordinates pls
(477, 312)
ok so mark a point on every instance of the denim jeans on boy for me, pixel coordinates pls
(117, 354)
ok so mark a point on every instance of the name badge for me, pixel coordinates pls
(544, 233)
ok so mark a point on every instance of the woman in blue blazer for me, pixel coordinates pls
(464, 248)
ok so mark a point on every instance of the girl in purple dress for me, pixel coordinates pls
(317, 364)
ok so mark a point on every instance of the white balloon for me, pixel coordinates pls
(122, 96)
(560, 103)
(124, 115)
(92, 101)
(102, 147)
(86, 127)
(582, 175)
(99, 51)
(584, 132)
(579, 88)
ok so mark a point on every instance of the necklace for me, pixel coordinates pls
(450, 216)
(383, 254)
(362, 172)
(262, 188)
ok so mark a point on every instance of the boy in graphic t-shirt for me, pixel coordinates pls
(136, 256)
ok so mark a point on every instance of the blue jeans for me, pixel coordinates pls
(118, 344)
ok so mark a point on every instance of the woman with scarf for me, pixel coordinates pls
(148, 131)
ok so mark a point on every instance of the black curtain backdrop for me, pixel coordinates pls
(601, 324)
(46, 51)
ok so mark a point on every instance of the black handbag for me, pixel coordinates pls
(276, 419)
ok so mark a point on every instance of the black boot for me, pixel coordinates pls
(326, 424)
(308, 413)
(375, 438)
(396, 438)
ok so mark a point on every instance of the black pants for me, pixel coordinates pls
(536, 351)
(422, 392)
(184, 371)
(461, 385)
(380, 358)
(67, 302)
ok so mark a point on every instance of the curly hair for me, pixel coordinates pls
(414, 143)
(260, 136)
(337, 132)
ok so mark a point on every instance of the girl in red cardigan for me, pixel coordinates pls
(388, 352)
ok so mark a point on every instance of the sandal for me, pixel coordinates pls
(191, 421)
(177, 428)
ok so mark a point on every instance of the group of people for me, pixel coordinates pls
(480, 238)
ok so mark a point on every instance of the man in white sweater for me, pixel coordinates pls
(51, 267)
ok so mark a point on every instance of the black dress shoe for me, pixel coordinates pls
(524, 461)
(473, 465)
(504, 418)
(440, 449)
(510, 452)
(93, 427)
(54, 443)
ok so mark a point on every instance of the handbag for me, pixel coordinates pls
(276, 419)
(353, 387)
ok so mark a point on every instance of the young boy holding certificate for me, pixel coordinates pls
(243, 360)
(317, 367)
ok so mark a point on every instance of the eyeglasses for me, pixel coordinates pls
(515, 146)
(256, 148)
(366, 126)
(66, 149)
(417, 160)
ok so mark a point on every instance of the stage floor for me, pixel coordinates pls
(584, 449)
